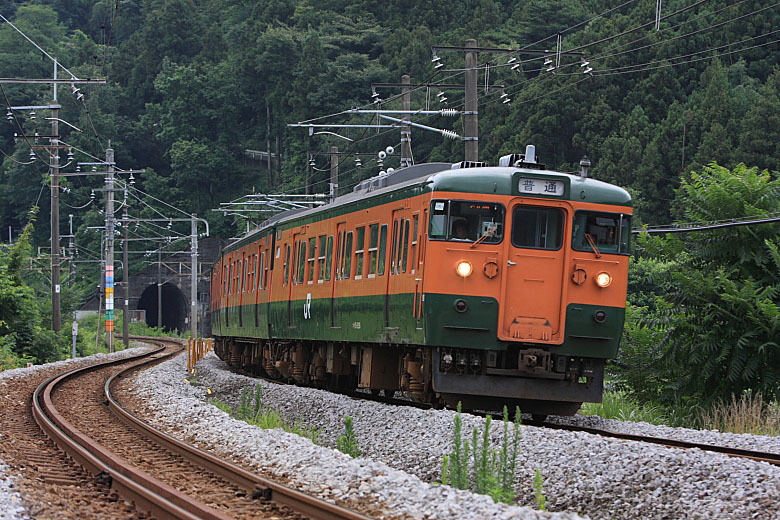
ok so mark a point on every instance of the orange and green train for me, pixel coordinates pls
(485, 285)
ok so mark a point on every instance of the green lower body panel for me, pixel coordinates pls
(366, 319)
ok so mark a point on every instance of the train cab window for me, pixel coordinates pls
(382, 250)
(347, 256)
(373, 246)
(328, 258)
(608, 232)
(361, 235)
(537, 228)
(466, 221)
(321, 260)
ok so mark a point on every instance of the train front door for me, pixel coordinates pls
(532, 284)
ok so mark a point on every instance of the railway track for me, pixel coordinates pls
(159, 474)
(770, 458)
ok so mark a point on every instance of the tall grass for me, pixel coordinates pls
(749, 413)
(253, 411)
(479, 467)
(621, 406)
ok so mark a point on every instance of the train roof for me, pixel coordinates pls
(442, 177)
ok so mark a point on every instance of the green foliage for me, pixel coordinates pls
(709, 320)
(488, 471)
(539, 497)
(623, 407)
(253, 411)
(347, 442)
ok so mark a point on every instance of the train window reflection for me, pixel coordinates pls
(466, 221)
(537, 228)
(608, 232)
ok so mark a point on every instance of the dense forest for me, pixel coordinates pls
(681, 107)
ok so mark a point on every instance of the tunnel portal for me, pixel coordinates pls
(174, 307)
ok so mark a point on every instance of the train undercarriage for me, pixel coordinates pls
(539, 382)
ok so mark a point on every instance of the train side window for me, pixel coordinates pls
(312, 257)
(294, 263)
(285, 276)
(225, 280)
(406, 245)
(329, 258)
(373, 243)
(301, 261)
(415, 230)
(265, 268)
(399, 246)
(360, 239)
(339, 255)
(394, 248)
(348, 256)
(260, 277)
(382, 250)
(243, 275)
(609, 232)
(321, 259)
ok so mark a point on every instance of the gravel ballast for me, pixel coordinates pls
(12, 505)
(583, 473)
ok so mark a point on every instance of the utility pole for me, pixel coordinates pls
(334, 172)
(125, 279)
(54, 155)
(194, 281)
(406, 131)
(110, 249)
(268, 144)
(159, 289)
(53, 150)
(471, 129)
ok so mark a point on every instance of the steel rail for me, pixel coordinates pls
(770, 458)
(258, 486)
(148, 494)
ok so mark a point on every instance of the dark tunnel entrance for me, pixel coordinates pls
(174, 307)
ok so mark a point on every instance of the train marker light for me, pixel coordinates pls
(464, 268)
(603, 279)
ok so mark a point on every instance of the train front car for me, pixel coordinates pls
(528, 298)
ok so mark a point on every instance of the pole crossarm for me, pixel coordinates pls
(441, 86)
(532, 52)
(54, 81)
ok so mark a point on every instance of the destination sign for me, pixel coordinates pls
(540, 187)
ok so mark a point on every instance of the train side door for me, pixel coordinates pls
(532, 281)
(341, 274)
(397, 268)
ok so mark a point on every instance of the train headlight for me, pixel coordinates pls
(464, 268)
(603, 279)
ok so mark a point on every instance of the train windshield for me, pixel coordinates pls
(466, 221)
(604, 232)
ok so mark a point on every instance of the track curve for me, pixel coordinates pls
(237, 492)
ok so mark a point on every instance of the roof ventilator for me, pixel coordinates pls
(519, 160)
(584, 165)
(469, 164)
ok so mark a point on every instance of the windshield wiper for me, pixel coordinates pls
(592, 244)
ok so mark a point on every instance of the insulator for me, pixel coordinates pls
(32, 155)
(450, 134)
(448, 112)
(389, 150)
(382, 154)
(32, 115)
